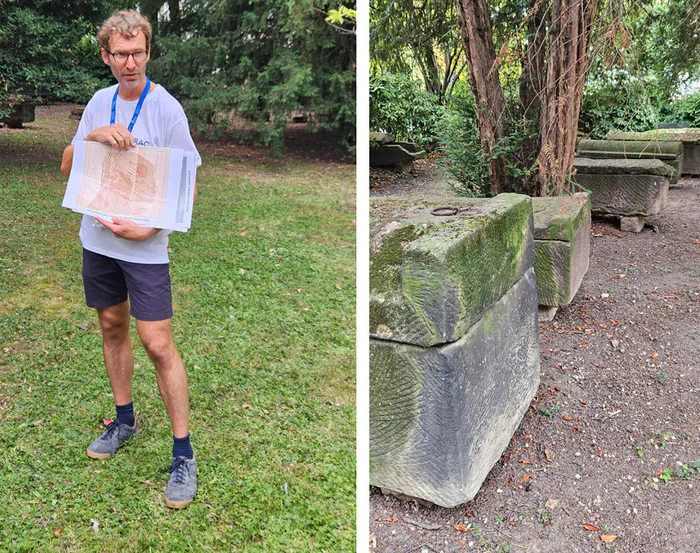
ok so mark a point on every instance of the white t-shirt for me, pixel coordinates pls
(161, 123)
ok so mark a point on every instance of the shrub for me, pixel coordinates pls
(399, 105)
(617, 101)
(686, 109)
(462, 158)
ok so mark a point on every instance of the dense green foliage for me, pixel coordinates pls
(614, 100)
(46, 50)
(399, 105)
(685, 110)
(461, 155)
(259, 61)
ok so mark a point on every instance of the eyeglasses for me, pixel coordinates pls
(121, 57)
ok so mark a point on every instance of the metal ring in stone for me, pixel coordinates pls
(444, 211)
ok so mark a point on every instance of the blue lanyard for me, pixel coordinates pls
(138, 106)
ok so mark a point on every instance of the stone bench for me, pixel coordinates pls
(22, 112)
(385, 152)
(670, 153)
(562, 248)
(629, 189)
(690, 137)
(454, 355)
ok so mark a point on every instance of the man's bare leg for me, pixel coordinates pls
(157, 339)
(116, 345)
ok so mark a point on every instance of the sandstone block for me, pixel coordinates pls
(624, 187)
(440, 417)
(431, 276)
(562, 246)
(690, 137)
(669, 152)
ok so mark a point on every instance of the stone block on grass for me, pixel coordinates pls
(624, 188)
(562, 247)
(454, 353)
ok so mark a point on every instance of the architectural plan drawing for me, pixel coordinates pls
(153, 187)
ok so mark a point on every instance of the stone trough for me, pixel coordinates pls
(631, 190)
(385, 152)
(690, 137)
(670, 153)
(454, 356)
(562, 249)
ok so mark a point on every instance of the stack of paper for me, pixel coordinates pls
(154, 187)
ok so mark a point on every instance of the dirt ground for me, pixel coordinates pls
(603, 459)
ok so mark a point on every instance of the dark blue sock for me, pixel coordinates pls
(182, 447)
(125, 414)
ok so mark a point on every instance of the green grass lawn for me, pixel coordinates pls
(263, 286)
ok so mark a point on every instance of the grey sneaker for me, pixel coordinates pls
(182, 485)
(111, 440)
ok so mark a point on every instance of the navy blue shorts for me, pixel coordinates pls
(109, 282)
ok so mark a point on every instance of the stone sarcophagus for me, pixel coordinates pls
(454, 357)
(669, 152)
(690, 137)
(562, 249)
(629, 189)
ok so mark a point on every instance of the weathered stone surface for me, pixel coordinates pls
(690, 138)
(381, 137)
(680, 135)
(590, 166)
(631, 148)
(432, 277)
(624, 194)
(562, 246)
(635, 223)
(441, 417)
(670, 153)
(394, 155)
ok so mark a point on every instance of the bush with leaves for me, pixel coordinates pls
(613, 99)
(401, 106)
(686, 110)
(461, 156)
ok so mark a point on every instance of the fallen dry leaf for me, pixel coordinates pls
(242, 271)
(548, 453)
(654, 355)
(591, 527)
(246, 405)
(607, 538)
(525, 462)
(461, 528)
(58, 532)
(567, 418)
(525, 478)
(338, 287)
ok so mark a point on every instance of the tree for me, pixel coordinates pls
(404, 32)
(47, 50)
(257, 60)
(557, 45)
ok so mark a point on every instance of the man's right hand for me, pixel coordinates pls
(117, 136)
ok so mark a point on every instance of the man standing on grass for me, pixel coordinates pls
(123, 260)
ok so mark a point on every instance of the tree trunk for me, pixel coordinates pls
(569, 34)
(532, 79)
(477, 36)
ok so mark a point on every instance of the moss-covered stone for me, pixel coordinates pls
(450, 268)
(562, 245)
(661, 135)
(655, 167)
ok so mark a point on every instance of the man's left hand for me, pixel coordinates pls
(128, 229)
